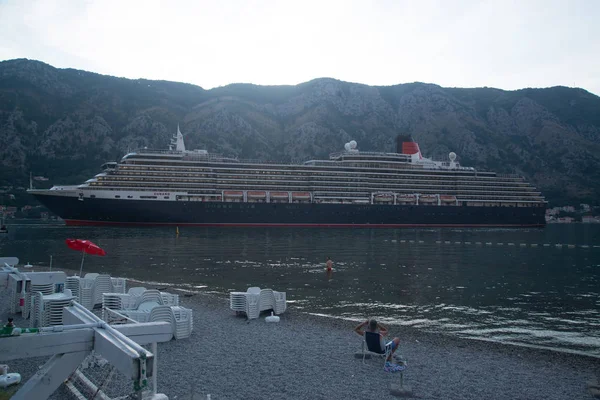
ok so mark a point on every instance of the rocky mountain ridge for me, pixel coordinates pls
(64, 123)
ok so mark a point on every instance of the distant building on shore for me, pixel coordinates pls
(565, 220)
(588, 219)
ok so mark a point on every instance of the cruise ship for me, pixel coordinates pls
(350, 189)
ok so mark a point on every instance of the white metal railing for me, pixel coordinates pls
(296, 179)
(353, 171)
(135, 186)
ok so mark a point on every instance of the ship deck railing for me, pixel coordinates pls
(191, 155)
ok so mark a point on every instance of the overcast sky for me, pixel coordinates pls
(498, 43)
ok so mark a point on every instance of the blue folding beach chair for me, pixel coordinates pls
(373, 343)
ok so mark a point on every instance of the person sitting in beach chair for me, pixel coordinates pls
(374, 341)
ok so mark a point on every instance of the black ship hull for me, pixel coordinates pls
(144, 212)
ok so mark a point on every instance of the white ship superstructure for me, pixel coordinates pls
(350, 177)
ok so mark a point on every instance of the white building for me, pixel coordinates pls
(588, 219)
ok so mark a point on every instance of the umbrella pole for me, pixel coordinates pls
(81, 268)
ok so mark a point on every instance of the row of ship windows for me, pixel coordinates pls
(316, 186)
(152, 178)
(387, 184)
(345, 165)
(247, 181)
(237, 171)
(117, 196)
(210, 201)
(495, 201)
(170, 164)
(357, 210)
(492, 197)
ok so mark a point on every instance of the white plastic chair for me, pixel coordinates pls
(253, 290)
(136, 291)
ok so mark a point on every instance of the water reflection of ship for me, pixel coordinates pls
(3, 228)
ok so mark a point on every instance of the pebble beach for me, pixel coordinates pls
(312, 357)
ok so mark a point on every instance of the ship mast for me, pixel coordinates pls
(180, 146)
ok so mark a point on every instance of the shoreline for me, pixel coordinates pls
(313, 357)
(352, 321)
(188, 290)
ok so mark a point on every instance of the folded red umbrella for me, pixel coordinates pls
(85, 246)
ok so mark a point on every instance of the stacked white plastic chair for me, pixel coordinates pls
(21, 285)
(72, 283)
(252, 305)
(47, 310)
(142, 312)
(142, 305)
(136, 291)
(102, 284)
(90, 289)
(246, 302)
(86, 293)
(151, 295)
(43, 288)
(113, 300)
(254, 300)
(179, 317)
(266, 299)
(280, 302)
(125, 301)
(118, 285)
(237, 301)
(170, 299)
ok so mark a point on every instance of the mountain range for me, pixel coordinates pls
(64, 123)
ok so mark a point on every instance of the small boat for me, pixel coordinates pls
(301, 195)
(406, 199)
(428, 198)
(279, 195)
(235, 194)
(3, 228)
(448, 199)
(257, 195)
(384, 197)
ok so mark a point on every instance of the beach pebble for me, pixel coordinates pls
(309, 357)
(400, 390)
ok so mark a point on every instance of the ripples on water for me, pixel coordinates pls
(541, 296)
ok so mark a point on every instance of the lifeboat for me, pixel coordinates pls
(428, 198)
(257, 195)
(406, 198)
(448, 199)
(301, 195)
(279, 195)
(233, 194)
(384, 197)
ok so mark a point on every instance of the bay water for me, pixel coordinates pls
(533, 287)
